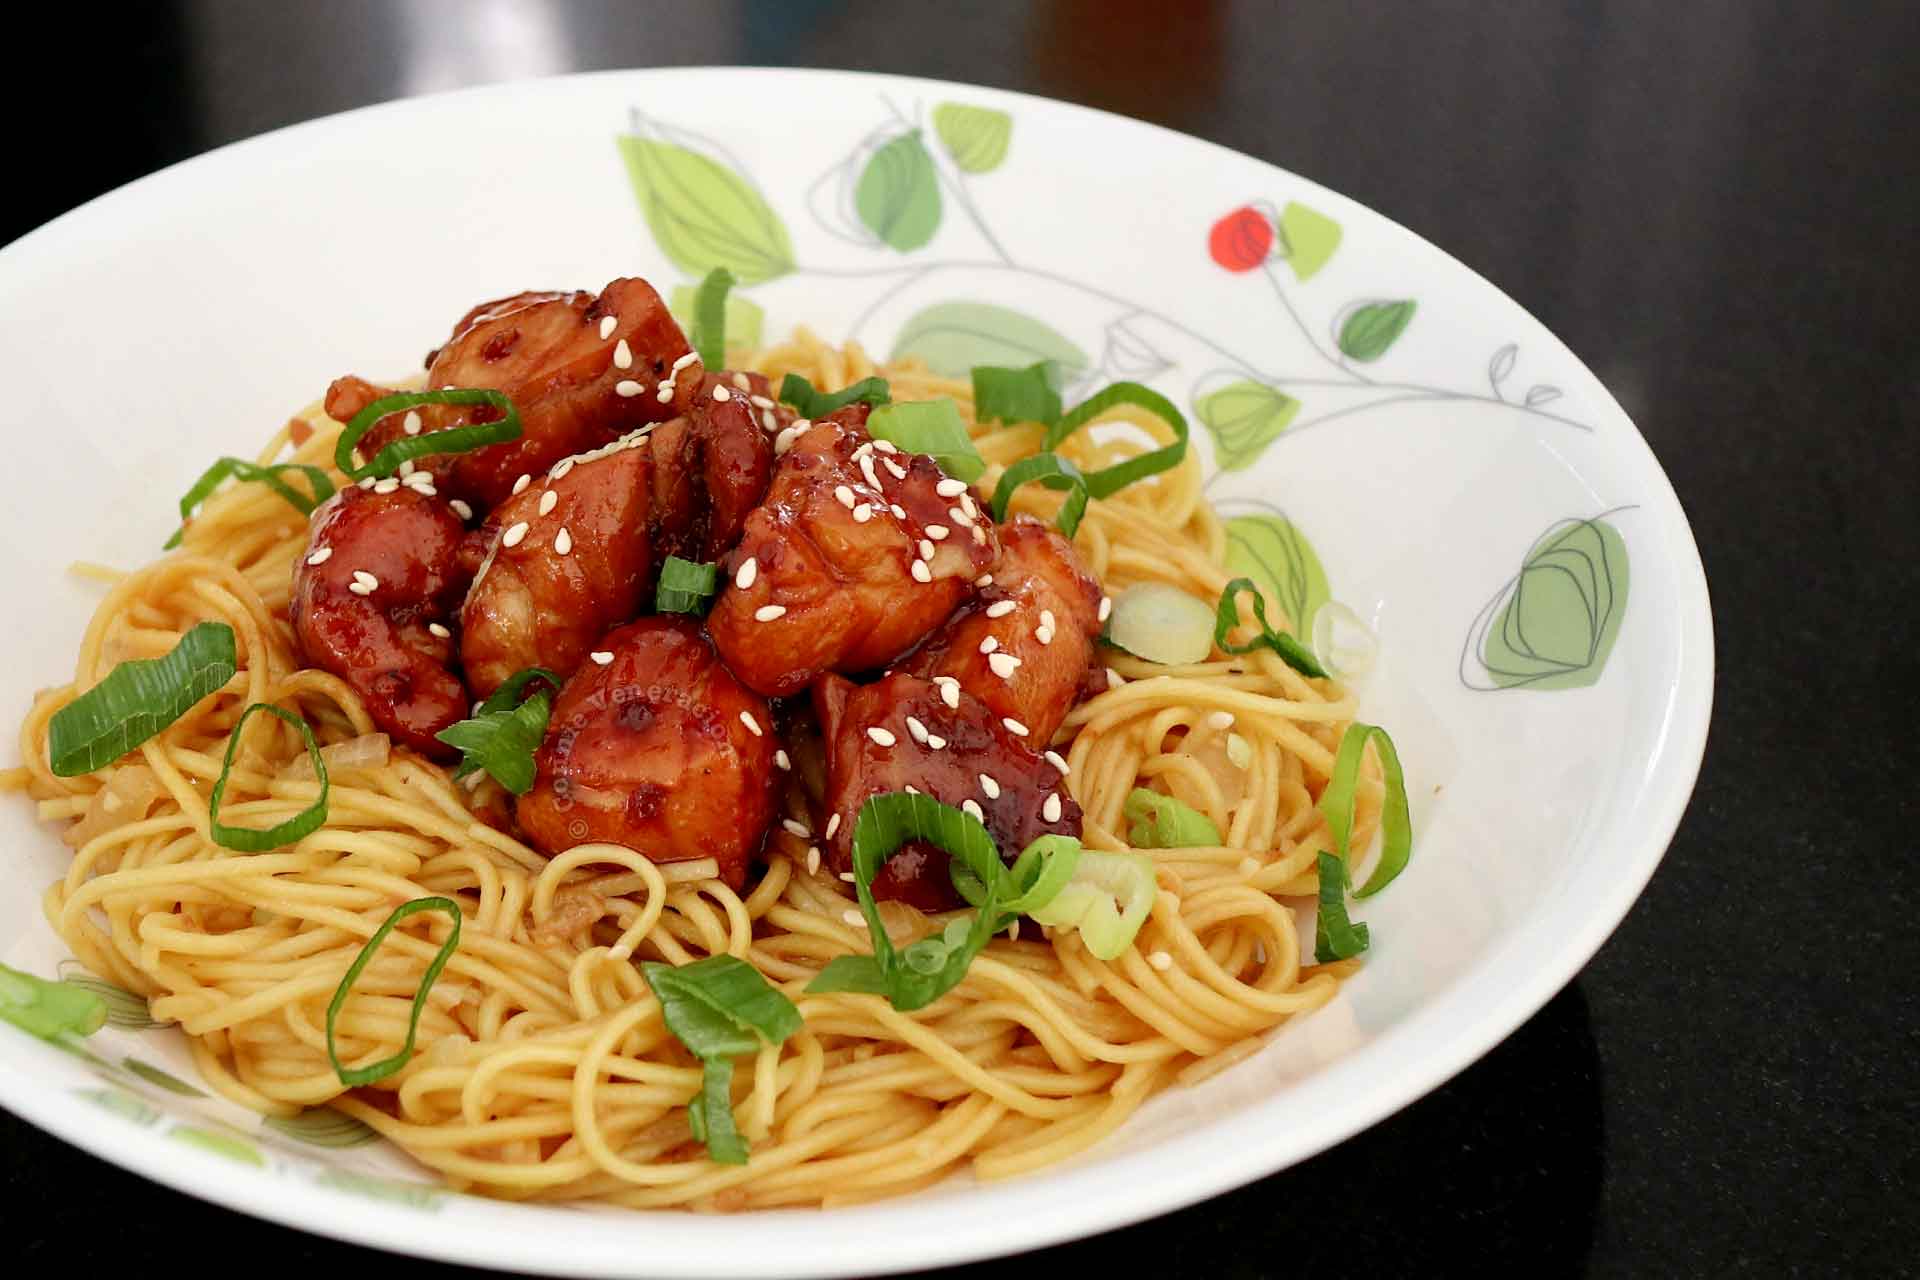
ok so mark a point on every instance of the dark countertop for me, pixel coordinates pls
(1715, 205)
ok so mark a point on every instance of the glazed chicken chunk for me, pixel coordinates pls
(567, 560)
(371, 598)
(581, 370)
(858, 551)
(905, 731)
(655, 746)
(1023, 645)
(713, 466)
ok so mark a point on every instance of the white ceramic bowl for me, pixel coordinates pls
(1450, 463)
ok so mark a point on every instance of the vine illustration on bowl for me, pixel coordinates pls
(1553, 623)
(919, 173)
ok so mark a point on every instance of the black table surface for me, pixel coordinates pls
(1716, 205)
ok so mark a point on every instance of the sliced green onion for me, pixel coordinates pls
(453, 440)
(1015, 395)
(1037, 875)
(503, 734)
(54, 1011)
(937, 963)
(1334, 936)
(138, 699)
(720, 1007)
(1227, 617)
(1106, 901)
(808, 403)
(1162, 822)
(387, 1066)
(300, 825)
(1161, 623)
(1053, 471)
(253, 473)
(932, 427)
(709, 334)
(685, 586)
(1110, 480)
(1338, 800)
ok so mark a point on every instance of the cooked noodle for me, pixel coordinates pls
(544, 1070)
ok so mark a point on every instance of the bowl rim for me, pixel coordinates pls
(1085, 1196)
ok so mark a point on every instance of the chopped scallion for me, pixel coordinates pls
(453, 440)
(1110, 480)
(300, 825)
(1162, 822)
(1338, 800)
(809, 403)
(1053, 471)
(1334, 936)
(720, 1008)
(709, 336)
(1107, 899)
(685, 586)
(138, 699)
(502, 736)
(1015, 395)
(253, 473)
(352, 1076)
(931, 427)
(1227, 617)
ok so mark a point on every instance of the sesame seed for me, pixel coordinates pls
(972, 810)
(886, 446)
(422, 484)
(1161, 961)
(1001, 608)
(665, 392)
(1043, 634)
(921, 572)
(562, 541)
(740, 381)
(912, 790)
(960, 517)
(321, 556)
(722, 394)
(784, 441)
(601, 656)
(369, 482)
(607, 326)
(1220, 720)
(950, 694)
(386, 486)
(950, 488)
(844, 496)
(461, 509)
(781, 762)
(936, 743)
(863, 450)
(684, 361)
(989, 786)
(1014, 727)
(800, 829)
(863, 513)
(511, 538)
(989, 644)
(1051, 809)
(753, 726)
(898, 513)
(967, 505)
(759, 402)
(622, 355)
(984, 580)
(926, 549)
(918, 730)
(405, 469)
(749, 570)
(979, 535)
(435, 629)
(938, 532)
(813, 859)
(411, 424)
(899, 472)
(1113, 679)
(866, 469)
(768, 612)
(850, 916)
(364, 583)
(1059, 762)
(627, 388)
(1047, 619)
(548, 501)
(847, 876)
(833, 825)
(1106, 607)
(1003, 664)
(881, 737)
(519, 486)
